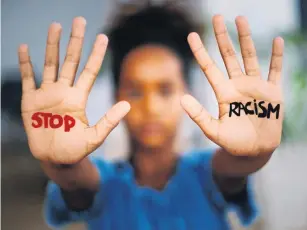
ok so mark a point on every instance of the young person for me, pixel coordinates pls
(152, 51)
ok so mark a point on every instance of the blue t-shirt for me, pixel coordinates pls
(190, 201)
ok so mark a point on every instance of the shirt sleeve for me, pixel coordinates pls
(57, 214)
(243, 203)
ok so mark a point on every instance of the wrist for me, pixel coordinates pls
(228, 165)
(82, 175)
(230, 185)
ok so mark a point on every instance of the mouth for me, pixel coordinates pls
(152, 129)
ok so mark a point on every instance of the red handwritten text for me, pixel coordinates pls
(53, 121)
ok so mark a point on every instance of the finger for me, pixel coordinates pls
(92, 67)
(276, 60)
(213, 74)
(98, 133)
(200, 116)
(26, 69)
(52, 53)
(73, 53)
(226, 48)
(248, 49)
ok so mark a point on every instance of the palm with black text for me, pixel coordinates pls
(247, 134)
(58, 95)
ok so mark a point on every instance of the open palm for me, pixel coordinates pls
(62, 98)
(241, 130)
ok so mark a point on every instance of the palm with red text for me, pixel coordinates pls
(58, 95)
(255, 131)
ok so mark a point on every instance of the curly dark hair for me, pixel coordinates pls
(151, 25)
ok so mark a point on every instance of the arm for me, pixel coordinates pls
(76, 193)
(58, 131)
(249, 126)
(231, 176)
(79, 182)
(225, 190)
(231, 172)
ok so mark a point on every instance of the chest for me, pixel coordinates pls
(180, 206)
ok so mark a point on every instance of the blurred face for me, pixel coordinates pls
(152, 82)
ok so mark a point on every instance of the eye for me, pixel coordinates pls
(165, 90)
(134, 93)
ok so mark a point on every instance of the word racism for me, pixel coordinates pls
(236, 107)
(54, 121)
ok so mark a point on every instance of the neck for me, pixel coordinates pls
(153, 166)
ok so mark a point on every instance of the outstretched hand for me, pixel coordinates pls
(250, 108)
(58, 99)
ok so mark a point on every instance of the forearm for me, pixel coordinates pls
(79, 182)
(230, 172)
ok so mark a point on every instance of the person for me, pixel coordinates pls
(157, 188)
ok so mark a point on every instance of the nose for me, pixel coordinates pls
(152, 104)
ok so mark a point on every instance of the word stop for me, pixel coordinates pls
(53, 121)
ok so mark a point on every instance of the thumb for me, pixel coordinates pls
(98, 133)
(200, 116)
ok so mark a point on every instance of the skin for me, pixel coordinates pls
(246, 142)
(152, 82)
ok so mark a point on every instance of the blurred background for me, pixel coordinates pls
(281, 186)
